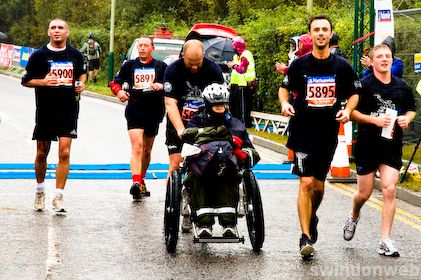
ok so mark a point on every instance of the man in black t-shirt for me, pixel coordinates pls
(57, 73)
(184, 82)
(143, 80)
(322, 81)
(386, 106)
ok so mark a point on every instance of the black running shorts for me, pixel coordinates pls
(312, 164)
(136, 119)
(50, 130)
(370, 154)
(93, 64)
(173, 142)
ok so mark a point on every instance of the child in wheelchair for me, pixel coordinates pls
(214, 174)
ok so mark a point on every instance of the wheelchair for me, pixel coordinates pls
(250, 206)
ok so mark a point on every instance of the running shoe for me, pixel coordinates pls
(143, 190)
(39, 203)
(135, 191)
(313, 228)
(229, 232)
(58, 203)
(387, 248)
(186, 225)
(306, 246)
(350, 227)
(204, 232)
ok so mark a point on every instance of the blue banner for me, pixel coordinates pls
(25, 53)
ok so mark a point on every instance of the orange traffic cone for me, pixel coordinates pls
(348, 137)
(290, 155)
(340, 163)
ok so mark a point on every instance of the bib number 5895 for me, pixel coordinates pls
(321, 91)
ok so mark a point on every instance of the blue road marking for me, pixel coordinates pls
(122, 171)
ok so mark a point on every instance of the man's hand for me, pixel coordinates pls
(403, 121)
(287, 110)
(123, 95)
(50, 80)
(342, 116)
(79, 86)
(157, 86)
(366, 61)
(382, 120)
(180, 133)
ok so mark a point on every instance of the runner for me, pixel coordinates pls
(57, 73)
(145, 109)
(185, 80)
(386, 107)
(322, 81)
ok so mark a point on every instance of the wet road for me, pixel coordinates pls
(107, 236)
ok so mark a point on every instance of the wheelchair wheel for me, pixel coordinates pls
(254, 210)
(172, 211)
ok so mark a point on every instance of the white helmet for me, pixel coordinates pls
(216, 94)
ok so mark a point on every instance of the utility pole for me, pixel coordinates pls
(309, 6)
(111, 53)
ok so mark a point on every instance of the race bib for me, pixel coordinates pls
(143, 78)
(190, 109)
(321, 91)
(63, 71)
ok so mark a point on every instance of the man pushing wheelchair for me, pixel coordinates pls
(213, 176)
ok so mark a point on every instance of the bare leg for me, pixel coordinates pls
(136, 140)
(43, 148)
(63, 166)
(91, 76)
(304, 203)
(317, 196)
(175, 160)
(146, 152)
(388, 178)
(365, 188)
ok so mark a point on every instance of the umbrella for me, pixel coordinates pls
(3, 37)
(218, 49)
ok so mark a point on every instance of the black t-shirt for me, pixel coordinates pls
(187, 87)
(320, 87)
(67, 65)
(375, 97)
(139, 76)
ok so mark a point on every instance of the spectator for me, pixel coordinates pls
(334, 47)
(305, 45)
(91, 50)
(243, 81)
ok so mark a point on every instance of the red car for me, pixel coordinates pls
(217, 39)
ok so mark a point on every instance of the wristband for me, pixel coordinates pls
(115, 88)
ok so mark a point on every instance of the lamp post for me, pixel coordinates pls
(111, 52)
(309, 6)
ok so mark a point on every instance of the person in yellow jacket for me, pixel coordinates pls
(243, 78)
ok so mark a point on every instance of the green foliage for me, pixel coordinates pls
(266, 25)
(268, 36)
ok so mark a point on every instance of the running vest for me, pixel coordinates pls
(249, 75)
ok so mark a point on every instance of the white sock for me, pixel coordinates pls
(58, 192)
(40, 187)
